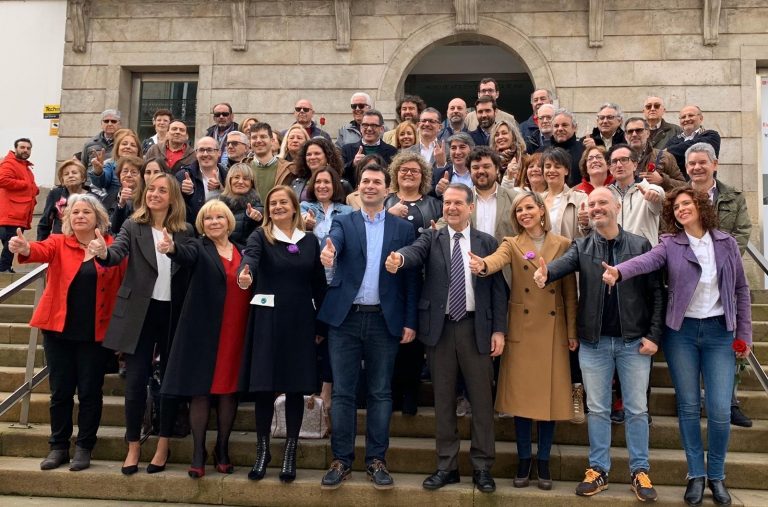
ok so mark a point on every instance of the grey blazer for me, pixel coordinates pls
(136, 242)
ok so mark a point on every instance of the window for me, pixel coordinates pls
(177, 92)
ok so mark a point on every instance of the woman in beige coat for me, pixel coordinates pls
(535, 377)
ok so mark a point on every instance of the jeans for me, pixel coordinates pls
(598, 361)
(702, 348)
(361, 337)
(6, 257)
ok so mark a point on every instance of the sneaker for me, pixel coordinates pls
(463, 407)
(617, 412)
(641, 485)
(595, 481)
(379, 475)
(577, 395)
(336, 474)
(738, 418)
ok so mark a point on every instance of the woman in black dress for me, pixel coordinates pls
(280, 349)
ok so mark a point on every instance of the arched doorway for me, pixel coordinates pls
(454, 70)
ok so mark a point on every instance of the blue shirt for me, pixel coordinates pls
(374, 235)
(462, 178)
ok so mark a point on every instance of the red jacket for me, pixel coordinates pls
(17, 192)
(64, 257)
(587, 187)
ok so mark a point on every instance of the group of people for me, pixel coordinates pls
(457, 245)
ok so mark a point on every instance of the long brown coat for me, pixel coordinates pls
(535, 375)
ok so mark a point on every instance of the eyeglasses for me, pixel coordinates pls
(592, 158)
(224, 114)
(302, 109)
(369, 125)
(487, 91)
(130, 172)
(635, 131)
(428, 120)
(409, 170)
(358, 106)
(545, 118)
(620, 160)
(654, 105)
(204, 151)
(110, 121)
(232, 144)
(603, 117)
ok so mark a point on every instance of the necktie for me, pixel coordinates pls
(457, 296)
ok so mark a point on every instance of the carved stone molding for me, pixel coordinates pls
(343, 23)
(239, 15)
(79, 16)
(466, 15)
(711, 23)
(596, 18)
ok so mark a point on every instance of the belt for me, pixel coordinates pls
(468, 315)
(366, 308)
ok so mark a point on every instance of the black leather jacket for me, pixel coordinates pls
(641, 299)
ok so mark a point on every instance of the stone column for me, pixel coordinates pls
(343, 23)
(79, 16)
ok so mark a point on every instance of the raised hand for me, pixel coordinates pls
(310, 221)
(393, 262)
(442, 184)
(400, 209)
(187, 186)
(126, 194)
(253, 213)
(439, 154)
(650, 195)
(19, 244)
(359, 155)
(213, 182)
(611, 275)
(97, 162)
(512, 170)
(245, 279)
(654, 177)
(541, 274)
(98, 246)
(328, 254)
(433, 225)
(165, 245)
(583, 215)
(588, 143)
(476, 264)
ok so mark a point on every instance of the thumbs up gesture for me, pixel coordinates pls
(476, 264)
(583, 215)
(439, 154)
(400, 209)
(187, 186)
(393, 262)
(611, 275)
(650, 195)
(328, 254)
(512, 170)
(98, 246)
(253, 213)
(245, 279)
(19, 244)
(541, 274)
(359, 155)
(213, 181)
(309, 220)
(165, 245)
(442, 184)
(126, 194)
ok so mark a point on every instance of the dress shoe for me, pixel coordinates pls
(410, 407)
(694, 492)
(719, 492)
(336, 474)
(738, 418)
(523, 477)
(379, 475)
(193, 471)
(156, 469)
(221, 467)
(263, 457)
(441, 478)
(483, 480)
(55, 459)
(81, 461)
(545, 479)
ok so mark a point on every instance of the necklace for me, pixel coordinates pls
(225, 251)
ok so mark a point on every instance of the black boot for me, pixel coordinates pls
(522, 479)
(545, 480)
(263, 457)
(288, 472)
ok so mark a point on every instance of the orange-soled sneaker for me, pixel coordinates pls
(595, 481)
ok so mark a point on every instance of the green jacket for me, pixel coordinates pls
(733, 214)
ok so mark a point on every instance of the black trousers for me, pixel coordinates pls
(75, 365)
(6, 257)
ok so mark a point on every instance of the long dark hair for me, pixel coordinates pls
(707, 213)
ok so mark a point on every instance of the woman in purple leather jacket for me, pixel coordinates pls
(708, 309)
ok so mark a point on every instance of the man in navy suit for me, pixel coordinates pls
(370, 312)
(462, 322)
(372, 128)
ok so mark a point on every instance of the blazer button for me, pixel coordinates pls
(525, 311)
(552, 313)
(527, 289)
(525, 267)
(551, 291)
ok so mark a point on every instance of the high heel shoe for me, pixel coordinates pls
(222, 468)
(198, 472)
(288, 471)
(545, 479)
(523, 477)
(154, 469)
(130, 469)
(263, 457)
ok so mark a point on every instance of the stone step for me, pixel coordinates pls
(11, 377)
(660, 377)
(15, 314)
(759, 331)
(49, 501)
(8, 278)
(760, 312)
(759, 296)
(16, 354)
(23, 297)
(16, 333)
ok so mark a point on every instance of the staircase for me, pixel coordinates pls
(411, 456)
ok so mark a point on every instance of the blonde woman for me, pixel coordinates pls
(506, 140)
(293, 139)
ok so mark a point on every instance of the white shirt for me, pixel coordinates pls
(556, 212)
(162, 289)
(426, 151)
(464, 244)
(706, 300)
(209, 194)
(281, 236)
(485, 212)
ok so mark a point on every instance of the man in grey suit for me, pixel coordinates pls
(462, 322)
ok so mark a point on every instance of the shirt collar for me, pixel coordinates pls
(712, 190)
(378, 142)
(259, 164)
(378, 218)
(281, 236)
(705, 240)
(493, 195)
(464, 233)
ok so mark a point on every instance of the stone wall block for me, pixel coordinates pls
(323, 53)
(685, 47)
(79, 126)
(744, 20)
(688, 73)
(87, 101)
(201, 29)
(314, 28)
(172, 10)
(264, 52)
(270, 8)
(378, 27)
(82, 77)
(126, 30)
(683, 21)
(629, 22)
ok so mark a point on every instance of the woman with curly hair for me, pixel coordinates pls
(410, 199)
(317, 153)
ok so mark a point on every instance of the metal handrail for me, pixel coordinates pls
(762, 263)
(31, 379)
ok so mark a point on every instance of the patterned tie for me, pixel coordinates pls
(457, 296)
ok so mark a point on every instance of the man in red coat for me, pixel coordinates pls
(17, 196)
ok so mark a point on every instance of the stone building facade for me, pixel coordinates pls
(264, 55)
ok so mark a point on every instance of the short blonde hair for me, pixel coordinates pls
(214, 206)
(516, 227)
(102, 218)
(407, 124)
(69, 163)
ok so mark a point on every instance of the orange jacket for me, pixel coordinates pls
(17, 192)
(64, 257)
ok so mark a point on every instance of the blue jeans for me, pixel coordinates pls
(702, 348)
(598, 361)
(361, 337)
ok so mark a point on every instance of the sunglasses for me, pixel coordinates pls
(220, 114)
(358, 106)
(635, 131)
(653, 106)
(110, 121)
(302, 109)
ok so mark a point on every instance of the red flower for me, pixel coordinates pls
(651, 167)
(740, 346)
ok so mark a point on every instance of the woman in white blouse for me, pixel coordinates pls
(567, 207)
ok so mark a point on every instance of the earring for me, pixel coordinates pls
(678, 225)
(542, 221)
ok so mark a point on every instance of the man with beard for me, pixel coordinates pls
(175, 151)
(660, 130)
(203, 179)
(102, 142)
(454, 119)
(488, 87)
(409, 108)
(372, 127)
(431, 149)
(18, 193)
(224, 123)
(485, 108)
(460, 145)
(657, 167)
(564, 136)
(303, 112)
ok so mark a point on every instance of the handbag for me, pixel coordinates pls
(313, 425)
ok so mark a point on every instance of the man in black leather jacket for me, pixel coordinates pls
(616, 329)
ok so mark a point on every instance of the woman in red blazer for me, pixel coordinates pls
(73, 314)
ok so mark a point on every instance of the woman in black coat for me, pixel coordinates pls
(72, 177)
(243, 201)
(207, 348)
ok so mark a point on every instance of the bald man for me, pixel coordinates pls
(693, 132)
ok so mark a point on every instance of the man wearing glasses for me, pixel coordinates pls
(238, 148)
(350, 133)
(428, 147)
(303, 112)
(656, 166)
(372, 128)
(203, 179)
(488, 86)
(608, 131)
(660, 130)
(224, 123)
(103, 141)
(691, 119)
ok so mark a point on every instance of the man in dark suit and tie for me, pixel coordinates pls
(370, 312)
(462, 322)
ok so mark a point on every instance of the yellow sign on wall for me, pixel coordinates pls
(51, 111)
(53, 130)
